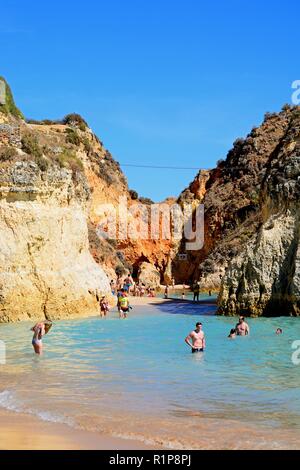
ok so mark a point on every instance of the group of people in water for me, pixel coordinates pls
(196, 339)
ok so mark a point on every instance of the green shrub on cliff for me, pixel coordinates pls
(72, 137)
(42, 163)
(133, 194)
(7, 154)
(9, 107)
(31, 146)
(68, 159)
(76, 120)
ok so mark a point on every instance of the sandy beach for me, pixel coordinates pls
(23, 432)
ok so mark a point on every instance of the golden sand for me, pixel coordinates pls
(23, 432)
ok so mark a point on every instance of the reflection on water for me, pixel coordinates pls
(137, 378)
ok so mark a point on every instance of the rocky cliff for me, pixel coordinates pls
(55, 177)
(264, 279)
(231, 197)
(46, 269)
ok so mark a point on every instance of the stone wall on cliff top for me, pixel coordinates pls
(264, 279)
(46, 269)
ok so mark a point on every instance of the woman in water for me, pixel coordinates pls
(40, 330)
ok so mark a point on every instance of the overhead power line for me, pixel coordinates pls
(161, 167)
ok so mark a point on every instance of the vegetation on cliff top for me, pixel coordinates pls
(9, 107)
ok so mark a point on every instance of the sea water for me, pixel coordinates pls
(136, 378)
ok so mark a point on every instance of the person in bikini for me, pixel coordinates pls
(196, 339)
(40, 330)
(242, 328)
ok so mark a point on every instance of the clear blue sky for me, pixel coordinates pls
(164, 82)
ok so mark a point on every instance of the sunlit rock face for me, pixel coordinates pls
(264, 279)
(46, 269)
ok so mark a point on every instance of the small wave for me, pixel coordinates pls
(9, 402)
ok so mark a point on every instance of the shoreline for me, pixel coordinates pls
(20, 431)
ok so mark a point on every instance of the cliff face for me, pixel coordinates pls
(265, 278)
(46, 269)
(54, 177)
(230, 194)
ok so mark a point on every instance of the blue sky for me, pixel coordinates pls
(170, 83)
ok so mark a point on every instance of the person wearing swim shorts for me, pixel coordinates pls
(196, 339)
(124, 305)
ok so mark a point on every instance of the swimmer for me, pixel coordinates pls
(232, 334)
(40, 330)
(198, 339)
(279, 331)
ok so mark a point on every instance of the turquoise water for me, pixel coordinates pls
(137, 378)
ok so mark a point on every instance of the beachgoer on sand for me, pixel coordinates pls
(196, 291)
(196, 339)
(167, 292)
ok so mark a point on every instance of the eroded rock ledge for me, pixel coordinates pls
(46, 269)
(265, 278)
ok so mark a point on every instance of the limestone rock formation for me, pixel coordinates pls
(230, 194)
(149, 275)
(46, 269)
(264, 279)
(54, 176)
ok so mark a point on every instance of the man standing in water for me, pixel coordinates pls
(242, 328)
(198, 339)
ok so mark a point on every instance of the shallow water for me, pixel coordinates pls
(137, 378)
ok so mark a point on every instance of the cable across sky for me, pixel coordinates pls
(160, 167)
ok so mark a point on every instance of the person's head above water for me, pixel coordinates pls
(198, 326)
(232, 333)
(241, 319)
(279, 331)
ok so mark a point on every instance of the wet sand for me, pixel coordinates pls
(157, 300)
(23, 432)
